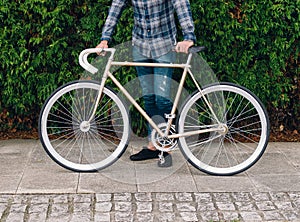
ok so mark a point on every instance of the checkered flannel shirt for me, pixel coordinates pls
(154, 31)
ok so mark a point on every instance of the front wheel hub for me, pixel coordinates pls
(85, 126)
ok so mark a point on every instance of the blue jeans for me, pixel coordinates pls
(156, 85)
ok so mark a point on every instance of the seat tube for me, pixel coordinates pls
(179, 91)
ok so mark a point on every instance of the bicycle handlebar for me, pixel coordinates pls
(83, 61)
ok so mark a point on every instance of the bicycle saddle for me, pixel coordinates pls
(195, 49)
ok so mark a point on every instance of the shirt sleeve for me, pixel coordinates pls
(114, 14)
(184, 14)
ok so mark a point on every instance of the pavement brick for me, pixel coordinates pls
(272, 216)
(225, 206)
(260, 196)
(280, 196)
(143, 197)
(206, 207)
(3, 207)
(294, 195)
(58, 210)
(103, 207)
(242, 197)
(60, 199)
(79, 217)
(209, 216)
(122, 197)
(291, 215)
(123, 206)
(82, 198)
(265, 205)
(103, 197)
(165, 207)
(82, 207)
(164, 196)
(17, 212)
(222, 197)
(284, 205)
(189, 216)
(124, 216)
(203, 197)
(245, 206)
(184, 196)
(166, 217)
(230, 216)
(188, 207)
(102, 217)
(5, 198)
(144, 207)
(144, 217)
(250, 216)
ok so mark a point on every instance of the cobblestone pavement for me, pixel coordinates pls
(248, 206)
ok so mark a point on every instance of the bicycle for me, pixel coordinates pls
(221, 129)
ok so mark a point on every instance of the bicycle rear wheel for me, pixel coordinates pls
(240, 146)
(74, 143)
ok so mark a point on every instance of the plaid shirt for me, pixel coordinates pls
(154, 31)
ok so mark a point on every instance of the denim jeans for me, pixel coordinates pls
(156, 85)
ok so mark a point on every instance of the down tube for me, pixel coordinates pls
(136, 105)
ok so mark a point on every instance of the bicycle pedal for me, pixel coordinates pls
(161, 158)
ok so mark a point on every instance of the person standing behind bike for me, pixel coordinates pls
(153, 37)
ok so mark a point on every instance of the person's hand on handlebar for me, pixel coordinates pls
(184, 46)
(102, 45)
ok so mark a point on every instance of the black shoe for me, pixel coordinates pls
(165, 161)
(145, 154)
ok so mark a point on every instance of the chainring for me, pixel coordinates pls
(164, 144)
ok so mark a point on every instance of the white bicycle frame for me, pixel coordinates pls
(83, 61)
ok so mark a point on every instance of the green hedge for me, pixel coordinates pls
(253, 43)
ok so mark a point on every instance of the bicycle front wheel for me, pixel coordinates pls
(71, 140)
(240, 145)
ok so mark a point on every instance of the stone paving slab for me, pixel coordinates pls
(26, 168)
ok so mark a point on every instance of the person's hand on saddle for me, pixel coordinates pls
(184, 46)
